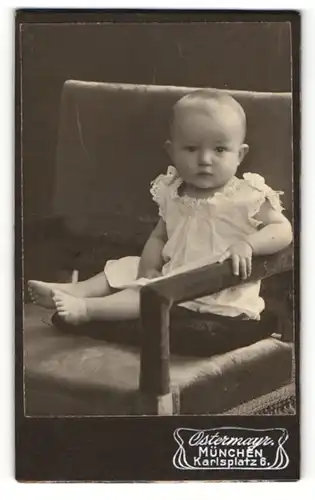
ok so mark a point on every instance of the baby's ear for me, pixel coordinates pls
(168, 148)
(243, 152)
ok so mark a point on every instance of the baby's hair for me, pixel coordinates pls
(203, 98)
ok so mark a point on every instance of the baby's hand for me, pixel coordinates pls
(241, 255)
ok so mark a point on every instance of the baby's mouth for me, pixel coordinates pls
(205, 174)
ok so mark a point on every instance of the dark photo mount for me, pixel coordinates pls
(237, 417)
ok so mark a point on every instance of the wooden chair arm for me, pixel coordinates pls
(213, 278)
(156, 301)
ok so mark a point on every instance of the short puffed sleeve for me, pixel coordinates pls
(160, 189)
(259, 193)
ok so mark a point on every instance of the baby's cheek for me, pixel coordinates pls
(181, 160)
(186, 166)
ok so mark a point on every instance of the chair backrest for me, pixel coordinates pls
(110, 148)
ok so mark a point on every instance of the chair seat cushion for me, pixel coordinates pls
(66, 374)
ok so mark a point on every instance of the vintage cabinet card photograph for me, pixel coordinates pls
(157, 245)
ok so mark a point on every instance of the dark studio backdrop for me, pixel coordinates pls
(245, 56)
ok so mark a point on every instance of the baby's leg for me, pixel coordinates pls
(122, 305)
(42, 292)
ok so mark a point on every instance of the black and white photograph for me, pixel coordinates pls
(157, 178)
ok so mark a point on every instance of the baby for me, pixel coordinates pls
(207, 214)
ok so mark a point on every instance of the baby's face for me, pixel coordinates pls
(206, 148)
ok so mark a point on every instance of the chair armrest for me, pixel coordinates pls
(157, 299)
(213, 278)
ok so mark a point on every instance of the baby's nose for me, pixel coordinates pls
(205, 157)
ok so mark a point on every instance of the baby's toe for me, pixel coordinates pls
(62, 313)
(58, 300)
(32, 296)
(57, 296)
(59, 303)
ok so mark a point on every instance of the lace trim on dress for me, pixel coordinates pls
(265, 193)
(190, 201)
(160, 186)
(167, 185)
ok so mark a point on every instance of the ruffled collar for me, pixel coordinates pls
(175, 181)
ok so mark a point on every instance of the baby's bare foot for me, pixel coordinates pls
(41, 293)
(72, 309)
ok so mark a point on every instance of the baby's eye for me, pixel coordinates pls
(191, 149)
(220, 149)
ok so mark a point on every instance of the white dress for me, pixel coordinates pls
(199, 231)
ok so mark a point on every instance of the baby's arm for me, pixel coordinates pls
(275, 235)
(151, 260)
